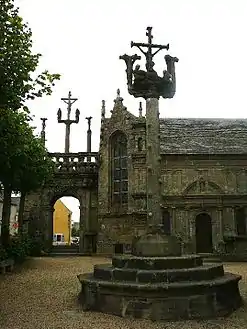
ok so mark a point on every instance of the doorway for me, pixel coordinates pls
(204, 233)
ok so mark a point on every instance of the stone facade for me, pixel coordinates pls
(203, 182)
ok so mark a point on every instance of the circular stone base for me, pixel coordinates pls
(157, 245)
(161, 301)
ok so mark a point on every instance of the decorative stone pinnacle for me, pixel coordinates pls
(103, 109)
(119, 99)
(140, 109)
(89, 122)
(43, 123)
(43, 129)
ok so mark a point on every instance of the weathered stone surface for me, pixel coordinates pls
(158, 263)
(157, 245)
(200, 273)
(188, 297)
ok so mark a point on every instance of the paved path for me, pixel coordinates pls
(43, 295)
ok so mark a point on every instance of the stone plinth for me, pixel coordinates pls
(160, 288)
(157, 245)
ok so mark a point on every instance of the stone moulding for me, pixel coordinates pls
(160, 288)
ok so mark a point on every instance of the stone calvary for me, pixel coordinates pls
(156, 281)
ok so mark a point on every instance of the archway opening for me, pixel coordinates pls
(66, 221)
(204, 233)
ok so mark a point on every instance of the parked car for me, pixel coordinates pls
(75, 240)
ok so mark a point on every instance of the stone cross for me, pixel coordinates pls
(89, 137)
(153, 159)
(69, 101)
(148, 54)
(43, 129)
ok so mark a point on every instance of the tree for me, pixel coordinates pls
(74, 232)
(18, 63)
(36, 170)
(18, 83)
(24, 163)
(14, 129)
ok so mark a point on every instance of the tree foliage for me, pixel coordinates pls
(18, 63)
(24, 162)
(74, 232)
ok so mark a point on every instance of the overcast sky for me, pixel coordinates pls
(82, 40)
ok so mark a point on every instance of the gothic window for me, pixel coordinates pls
(241, 221)
(119, 171)
(166, 222)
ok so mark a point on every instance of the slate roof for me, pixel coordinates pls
(203, 136)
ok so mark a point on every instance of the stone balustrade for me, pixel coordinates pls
(79, 163)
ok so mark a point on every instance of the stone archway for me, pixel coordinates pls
(78, 179)
(203, 224)
(58, 210)
(80, 195)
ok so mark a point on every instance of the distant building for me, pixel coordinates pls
(61, 224)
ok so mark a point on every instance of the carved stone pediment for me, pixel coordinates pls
(203, 186)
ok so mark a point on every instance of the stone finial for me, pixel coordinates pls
(43, 129)
(140, 110)
(118, 99)
(118, 102)
(89, 122)
(103, 110)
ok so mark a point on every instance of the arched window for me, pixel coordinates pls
(119, 171)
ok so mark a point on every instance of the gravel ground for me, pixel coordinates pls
(43, 295)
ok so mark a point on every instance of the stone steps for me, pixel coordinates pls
(64, 251)
(160, 288)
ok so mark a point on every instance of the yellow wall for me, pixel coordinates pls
(62, 221)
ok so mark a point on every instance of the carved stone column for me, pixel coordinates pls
(46, 227)
(173, 221)
(84, 222)
(153, 162)
(220, 220)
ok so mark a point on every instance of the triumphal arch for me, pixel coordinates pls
(76, 175)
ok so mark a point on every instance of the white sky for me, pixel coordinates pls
(82, 40)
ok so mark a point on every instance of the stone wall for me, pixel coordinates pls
(191, 184)
(39, 207)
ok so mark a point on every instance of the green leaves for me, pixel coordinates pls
(18, 63)
(24, 163)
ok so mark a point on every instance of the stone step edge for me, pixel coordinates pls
(87, 278)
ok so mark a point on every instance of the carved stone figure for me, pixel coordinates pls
(148, 84)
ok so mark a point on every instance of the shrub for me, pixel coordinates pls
(36, 247)
(19, 248)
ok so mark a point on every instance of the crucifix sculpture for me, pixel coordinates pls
(148, 54)
(69, 101)
(148, 84)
